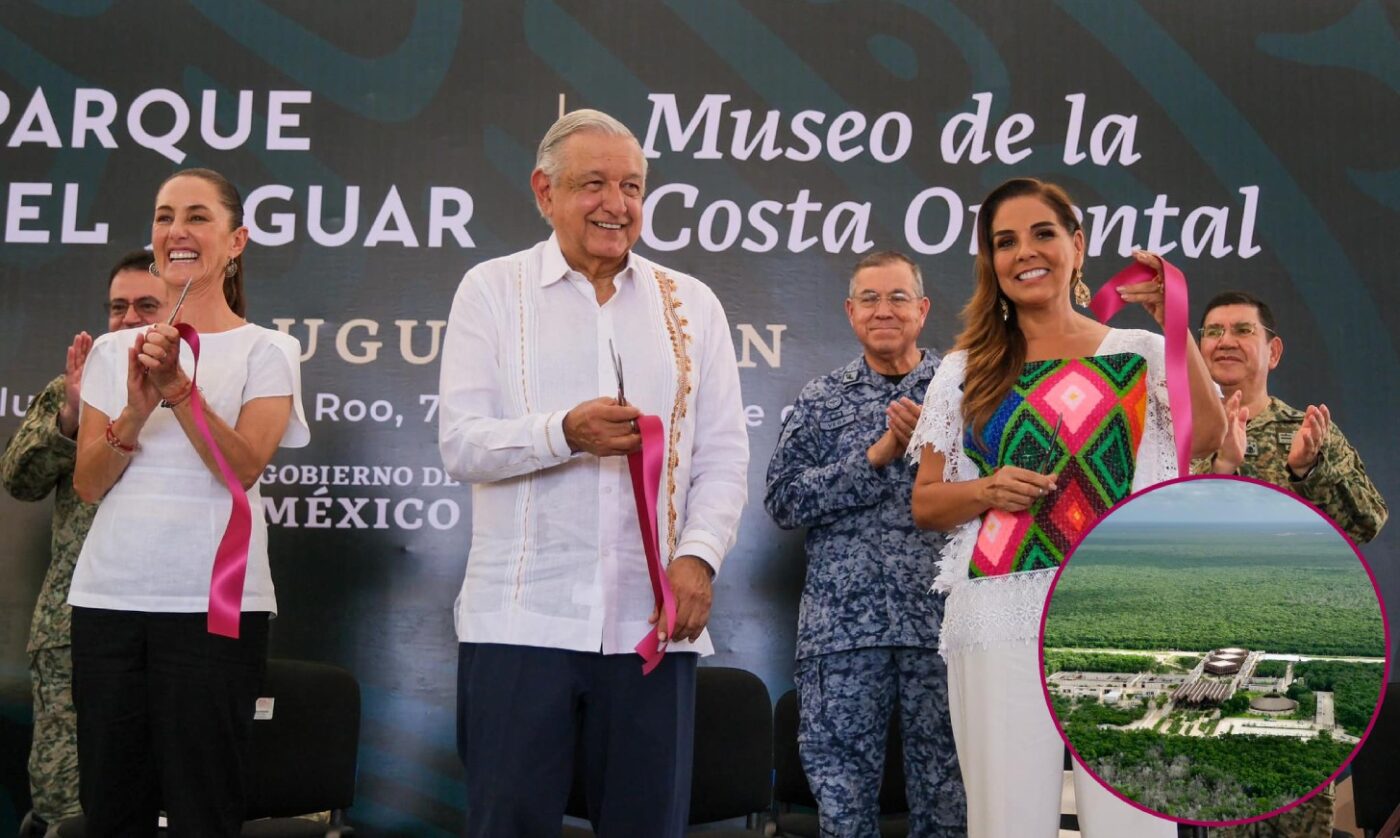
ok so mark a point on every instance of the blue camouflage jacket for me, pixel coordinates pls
(868, 567)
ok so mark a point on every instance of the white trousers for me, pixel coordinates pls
(1012, 757)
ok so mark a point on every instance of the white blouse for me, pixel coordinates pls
(152, 542)
(991, 610)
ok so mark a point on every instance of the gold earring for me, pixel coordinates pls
(1082, 297)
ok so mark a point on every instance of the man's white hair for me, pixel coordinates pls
(575, 122)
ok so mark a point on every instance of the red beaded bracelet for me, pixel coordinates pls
(116, 444)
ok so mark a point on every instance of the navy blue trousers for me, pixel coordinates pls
(521, 710)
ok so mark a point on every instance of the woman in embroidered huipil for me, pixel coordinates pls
(1039, 421)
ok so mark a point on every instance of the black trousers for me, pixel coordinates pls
(165, 715)
(520, 710)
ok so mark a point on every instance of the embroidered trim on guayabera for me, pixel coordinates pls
(527, 490)
(680, 346)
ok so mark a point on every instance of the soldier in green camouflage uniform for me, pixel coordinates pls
(38, 459)
(1300, 450)
(1337, 482)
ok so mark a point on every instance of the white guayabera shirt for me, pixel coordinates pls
(556, 556)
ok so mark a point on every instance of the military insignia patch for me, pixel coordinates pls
(839, 419)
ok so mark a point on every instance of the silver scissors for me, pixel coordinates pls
(176, 311)
(1048, 459)
(617, 370)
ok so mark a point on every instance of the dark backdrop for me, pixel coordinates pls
(1254, 141)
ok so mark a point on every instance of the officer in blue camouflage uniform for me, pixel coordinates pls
(867, 631)
(39, 459)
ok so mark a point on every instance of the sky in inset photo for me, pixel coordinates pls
(1214, 502)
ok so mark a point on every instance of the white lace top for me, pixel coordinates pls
(994, 610)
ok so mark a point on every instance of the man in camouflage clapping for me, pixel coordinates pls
(38, 459)
(1299, 450)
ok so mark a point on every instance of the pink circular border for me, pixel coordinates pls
(1375, 712)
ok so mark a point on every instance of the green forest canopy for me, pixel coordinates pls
(1147, 588)
(1210, 778)
(1355, 688)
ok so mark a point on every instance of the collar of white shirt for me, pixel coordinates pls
(553, 267)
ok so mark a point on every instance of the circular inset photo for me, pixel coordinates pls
(1214, 651)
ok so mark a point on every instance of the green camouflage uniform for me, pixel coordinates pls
(1337, 484)
(39, 458)
(1313, 819)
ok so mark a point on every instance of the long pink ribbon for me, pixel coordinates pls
(231, 559)
(645, 466)
(1176, 331)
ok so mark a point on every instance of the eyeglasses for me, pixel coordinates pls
(898, 300)
(146, 307)
(1215, 331)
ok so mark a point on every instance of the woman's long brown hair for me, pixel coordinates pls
(996, 348)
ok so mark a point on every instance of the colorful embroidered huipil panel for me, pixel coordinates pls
(1103, 402)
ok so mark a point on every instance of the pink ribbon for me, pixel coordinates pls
(645, 466)
(1176, 331)
(231, 559)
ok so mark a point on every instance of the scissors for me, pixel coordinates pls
(176, 311)
(617, 370)
(621, 391)
(1047, 460)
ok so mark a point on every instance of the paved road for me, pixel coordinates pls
(1263, 727)
(1326, 715)
(1160, 653)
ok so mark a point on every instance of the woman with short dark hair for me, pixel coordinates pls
(165, 707)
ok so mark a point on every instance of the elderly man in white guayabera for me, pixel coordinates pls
(557, 590)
